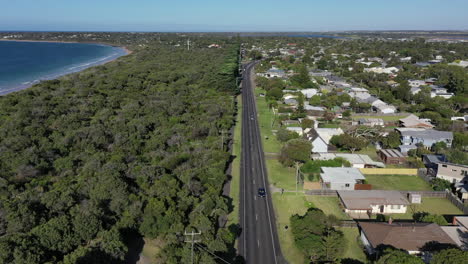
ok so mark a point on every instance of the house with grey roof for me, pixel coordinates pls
(413, 238)
(364, 203)
(411, 136)
(340, 178)
(413, 121)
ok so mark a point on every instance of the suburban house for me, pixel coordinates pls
(357, 160)
(290, 99)
(298, 130)
(440, 91)
(289, 122)
(458, 232)
(314, 110)
(389, 70)
(275, 73)
(320, 138)
(411, 237)
(308, 93)
(431, 161)
(385, 108)
(413, 121)
(392, 156)
(461, 189)
(371, 122)
(340, 178)
(412, 136)
(451, 172)
(362, 204)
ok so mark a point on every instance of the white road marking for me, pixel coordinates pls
(255, 197)
(254, 181)
(258, 243)
(256, 217)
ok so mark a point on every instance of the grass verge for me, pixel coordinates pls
(233, 217)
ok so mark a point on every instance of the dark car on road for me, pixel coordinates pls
(261, 192)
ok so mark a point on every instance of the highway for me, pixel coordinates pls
(258, 242)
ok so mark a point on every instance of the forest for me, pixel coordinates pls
(133, 148)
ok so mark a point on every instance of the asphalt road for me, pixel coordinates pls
(258, 242)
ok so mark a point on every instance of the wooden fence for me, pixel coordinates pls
(457, 202)
(321, 192)
(389, 171)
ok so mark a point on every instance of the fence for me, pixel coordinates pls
(455, 201)
(437, 194)
(321, 192)
(346, 223)
(389, 171)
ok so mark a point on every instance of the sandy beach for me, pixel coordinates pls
(76, 68)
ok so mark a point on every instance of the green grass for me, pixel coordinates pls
(371, 151)
(150, 249)
(353, 246)
(431, 205)
(385, 118)
(233, 217)
(329, 205)
(265, 121)
(287, 205)
(281, 176)
(398, 182)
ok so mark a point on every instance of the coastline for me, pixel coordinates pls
(74, 69)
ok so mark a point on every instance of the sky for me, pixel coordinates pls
(240, 15)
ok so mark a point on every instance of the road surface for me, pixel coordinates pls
(258, 242)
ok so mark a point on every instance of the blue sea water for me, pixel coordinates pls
(24, 63)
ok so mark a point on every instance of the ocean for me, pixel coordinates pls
(23, 64)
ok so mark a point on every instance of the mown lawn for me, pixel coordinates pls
(398, 182)
(280, 176)
(265, 121)
(431, 205)
(290, 204)
(353, 244)
(286, 205)
(329, 205)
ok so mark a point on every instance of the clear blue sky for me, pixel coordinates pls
(241, 15)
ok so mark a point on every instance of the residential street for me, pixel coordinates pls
(258, 242)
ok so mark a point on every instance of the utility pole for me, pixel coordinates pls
(188, 44)
(222, 139)
(192, 241)
(297, 175)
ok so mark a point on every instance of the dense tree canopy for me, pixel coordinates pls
(128, 148)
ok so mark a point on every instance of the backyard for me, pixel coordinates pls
(431, 205)
(397, 182)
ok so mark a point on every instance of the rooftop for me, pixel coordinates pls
(407, 236)
(425, 133)
(330, 174)
(364, 200)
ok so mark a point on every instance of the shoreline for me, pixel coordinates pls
(74, 69)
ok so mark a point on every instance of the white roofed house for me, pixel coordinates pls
(308, 93)
(340, 178)
(386, 109)
(320, 138)
(371, 122)
(356, 160)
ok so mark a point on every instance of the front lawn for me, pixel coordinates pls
(329, 205)
(398, 182)
(280, 176)
(286, 205)
(353, 245)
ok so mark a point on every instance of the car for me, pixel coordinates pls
(261, 192)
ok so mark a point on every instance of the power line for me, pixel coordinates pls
(192, 241)
(213, 254)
